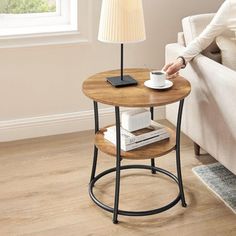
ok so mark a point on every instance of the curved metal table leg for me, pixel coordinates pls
(178, 162)
(152, 160)
(95, 153)
(118, 160)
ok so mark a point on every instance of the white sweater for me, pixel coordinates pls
(224, 19)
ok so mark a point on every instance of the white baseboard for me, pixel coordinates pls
(11, 130)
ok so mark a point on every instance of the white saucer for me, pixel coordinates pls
(149, 84)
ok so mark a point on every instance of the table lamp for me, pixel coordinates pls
(122, 21)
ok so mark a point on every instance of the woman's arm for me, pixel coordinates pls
(215, 28)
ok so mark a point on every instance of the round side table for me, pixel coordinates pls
(100, 91)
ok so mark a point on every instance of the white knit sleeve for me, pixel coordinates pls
(215, 28)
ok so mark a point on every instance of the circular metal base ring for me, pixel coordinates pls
(134, 213)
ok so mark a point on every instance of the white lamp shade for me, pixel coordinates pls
(122, 21)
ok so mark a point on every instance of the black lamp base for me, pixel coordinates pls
(118, 82)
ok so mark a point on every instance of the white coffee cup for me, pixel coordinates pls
(158, 78)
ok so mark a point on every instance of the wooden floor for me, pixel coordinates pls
(44, 191)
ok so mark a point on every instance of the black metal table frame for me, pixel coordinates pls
(178, 179)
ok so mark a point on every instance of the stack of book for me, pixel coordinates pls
(139, 138)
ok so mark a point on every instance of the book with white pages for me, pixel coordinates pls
(131, 137)
(129, 147)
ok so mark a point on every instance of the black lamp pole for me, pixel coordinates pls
(122, 80)
(122, 63)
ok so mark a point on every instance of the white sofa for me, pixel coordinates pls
(209, 117)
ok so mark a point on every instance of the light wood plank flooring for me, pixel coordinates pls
(43, 192)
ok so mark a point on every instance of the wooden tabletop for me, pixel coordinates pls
(98, 89)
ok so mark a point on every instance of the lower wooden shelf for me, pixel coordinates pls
(150, 151)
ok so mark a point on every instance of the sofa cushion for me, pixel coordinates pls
(228, 51)
(181, 39)
(194, 25)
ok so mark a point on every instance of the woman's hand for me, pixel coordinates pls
(174, 67)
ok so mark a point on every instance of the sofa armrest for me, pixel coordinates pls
(221, 83)
(214, 79)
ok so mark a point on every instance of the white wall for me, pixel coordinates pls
(40, 87)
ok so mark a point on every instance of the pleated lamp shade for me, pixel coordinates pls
(122, 21)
